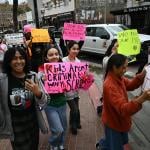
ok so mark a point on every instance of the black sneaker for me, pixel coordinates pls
(99, 110)
(79, 126)
(98, 147)
(74, 131)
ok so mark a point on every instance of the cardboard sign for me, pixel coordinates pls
(146, 83)
(129, 42)
(74, 31)
(63, 77)
(40, 36)
(14, 38)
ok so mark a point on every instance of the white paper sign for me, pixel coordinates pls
(14, 38)
(146, 84)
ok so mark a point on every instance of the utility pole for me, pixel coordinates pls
(105, 11)
(36, 13)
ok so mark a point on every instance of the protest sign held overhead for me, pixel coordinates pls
(63, 77)
(40, 36)
(146, 83)
(129, 42)
(74, 31)
(14, 38)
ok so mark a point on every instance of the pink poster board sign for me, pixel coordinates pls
(67, 76)
(74, 31)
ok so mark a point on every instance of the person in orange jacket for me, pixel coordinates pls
(117, 109)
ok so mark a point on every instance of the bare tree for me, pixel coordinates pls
(15, 20)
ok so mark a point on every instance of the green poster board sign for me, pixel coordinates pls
(129, 42)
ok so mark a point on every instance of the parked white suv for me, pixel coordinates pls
(99, 37)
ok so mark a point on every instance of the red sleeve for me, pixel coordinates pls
(134, 83)
(119, 102)
(41, 68)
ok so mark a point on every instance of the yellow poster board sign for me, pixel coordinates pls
(129, 42)
(40, 36)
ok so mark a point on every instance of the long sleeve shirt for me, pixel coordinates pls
(117, 109)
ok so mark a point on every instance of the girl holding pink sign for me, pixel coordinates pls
(56, 107)
(72, 96)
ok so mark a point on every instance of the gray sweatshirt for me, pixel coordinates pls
(6, 130)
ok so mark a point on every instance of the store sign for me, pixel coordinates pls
(91, 15)
(136, 9)
(74, 31)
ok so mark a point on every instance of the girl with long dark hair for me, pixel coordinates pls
(22, 96)
(117, 108)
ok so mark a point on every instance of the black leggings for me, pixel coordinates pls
(74, 104)
(74, 112)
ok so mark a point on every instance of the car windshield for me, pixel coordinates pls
(123, 27)
(115, 29)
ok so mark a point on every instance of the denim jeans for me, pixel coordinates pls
(113, 140)
(57, 121)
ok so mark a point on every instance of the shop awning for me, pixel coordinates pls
(64, 14)
(131, 10)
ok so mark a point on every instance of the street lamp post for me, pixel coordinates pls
(105, 11)
(42, 15)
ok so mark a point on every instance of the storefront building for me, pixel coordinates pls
(135, 17)
(5, 17)
(56, 12)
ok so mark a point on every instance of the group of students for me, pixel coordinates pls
(22, 95)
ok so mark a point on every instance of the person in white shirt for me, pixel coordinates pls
(72, 96)
(112, 49)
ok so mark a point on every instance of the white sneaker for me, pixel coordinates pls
(61, 147)
(54, 148)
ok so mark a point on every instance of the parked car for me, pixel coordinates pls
(51, 28)
(1, 34)
(9, 31)
(99, 37)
